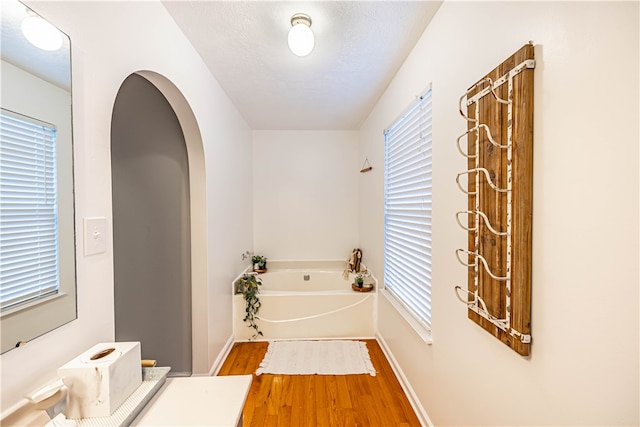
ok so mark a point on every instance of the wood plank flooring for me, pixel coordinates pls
(320, 400)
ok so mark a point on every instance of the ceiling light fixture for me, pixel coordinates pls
(41, 34)
(300, 38)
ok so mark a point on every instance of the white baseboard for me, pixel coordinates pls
(217, 364)
(423, 417)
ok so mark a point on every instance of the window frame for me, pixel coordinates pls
(416, 313)
(57, 309)
(31, 189)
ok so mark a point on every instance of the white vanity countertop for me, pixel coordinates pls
(212, 401)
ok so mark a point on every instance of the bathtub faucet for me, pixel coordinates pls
(247, 255)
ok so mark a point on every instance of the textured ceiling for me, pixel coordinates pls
(359, 47)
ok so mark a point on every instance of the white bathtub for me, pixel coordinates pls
(323, 306)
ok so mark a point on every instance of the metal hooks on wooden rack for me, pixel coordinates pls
(486, 222)
(475, 264)
(489, 181)
(477, 129)
(486, 165)
(490, 87)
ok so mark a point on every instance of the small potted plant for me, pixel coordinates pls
(359, 279)
(259, 263)
(249, 287)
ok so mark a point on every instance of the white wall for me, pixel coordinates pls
(583, 369)
(109, 42)
(305, 192)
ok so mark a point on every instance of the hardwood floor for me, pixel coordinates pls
(320, 400)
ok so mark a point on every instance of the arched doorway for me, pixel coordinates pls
(151, 226)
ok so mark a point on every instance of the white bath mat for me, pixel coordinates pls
(316, 357)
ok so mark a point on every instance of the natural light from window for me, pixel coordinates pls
(407, 211)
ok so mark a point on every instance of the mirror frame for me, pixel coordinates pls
(28, 74)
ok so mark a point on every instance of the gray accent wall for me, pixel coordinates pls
(151, 241)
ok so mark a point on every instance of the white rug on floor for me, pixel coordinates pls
(317, 357)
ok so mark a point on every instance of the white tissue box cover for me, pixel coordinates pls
(98, 387)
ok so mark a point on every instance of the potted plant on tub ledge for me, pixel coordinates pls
(259, 263)
(358, 282)
(249, 286)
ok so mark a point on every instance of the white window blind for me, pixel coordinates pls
(407, 210)
(28, 210)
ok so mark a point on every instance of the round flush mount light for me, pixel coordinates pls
(301, 40)
(41, 34)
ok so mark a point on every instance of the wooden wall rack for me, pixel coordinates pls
(498, 183)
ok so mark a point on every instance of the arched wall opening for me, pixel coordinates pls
(184, 251)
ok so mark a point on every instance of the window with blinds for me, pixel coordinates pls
(407, 210)
(28, 210)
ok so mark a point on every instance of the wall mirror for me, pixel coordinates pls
(37, 227)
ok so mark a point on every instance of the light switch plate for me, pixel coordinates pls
(95, 236)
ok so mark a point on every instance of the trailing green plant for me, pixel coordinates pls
(249, 287)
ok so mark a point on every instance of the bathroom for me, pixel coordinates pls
(584, 366)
